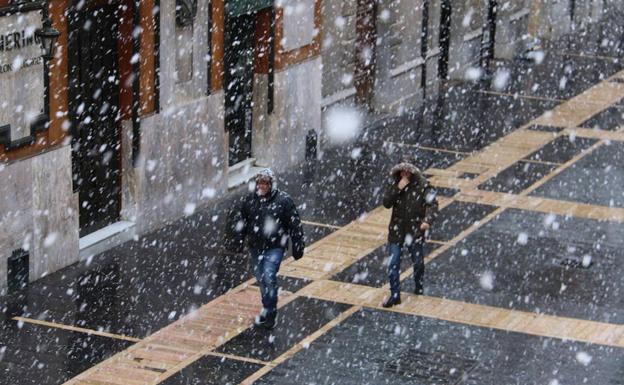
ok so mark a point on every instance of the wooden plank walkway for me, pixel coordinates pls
(472, 314)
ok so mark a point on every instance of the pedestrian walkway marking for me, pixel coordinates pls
(426, 148)
(543, 205)
(583, 106)
(176, 346)
(520, 96)
(75, 329)
(544, 325)
(615, 135)
(586, 55)
(238, 358)
(320, 225)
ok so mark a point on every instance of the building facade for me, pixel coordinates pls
(152, 109)
(148, 111)
(387, 56)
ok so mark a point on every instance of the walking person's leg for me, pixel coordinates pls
(417, 253)
(272, 260)
(394, 273)
(258, 262)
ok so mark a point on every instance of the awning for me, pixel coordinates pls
(240, 7)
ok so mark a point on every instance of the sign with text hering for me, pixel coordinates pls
(22, 92)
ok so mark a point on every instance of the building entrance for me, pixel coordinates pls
(94, 113)
(239, 78)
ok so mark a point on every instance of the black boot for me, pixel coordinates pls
(419, 289)
(394, 299)
(271, 318)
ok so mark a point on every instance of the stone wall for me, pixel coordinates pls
(39, 212)
(399, 60)
(338, 47)
(174, 91)
(512, 24)
(183, 147)
(433, 48)
(279, 138)
(183, 159)
(467, 18)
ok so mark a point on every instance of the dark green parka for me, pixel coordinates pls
(412, 206)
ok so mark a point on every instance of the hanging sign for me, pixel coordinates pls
(22, 87)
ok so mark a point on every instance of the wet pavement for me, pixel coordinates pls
(536, 263)
(375, 347)
(526, 260)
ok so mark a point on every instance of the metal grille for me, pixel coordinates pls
(574, 262)
(431, 368)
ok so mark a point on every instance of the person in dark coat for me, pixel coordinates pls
(267, 219)
(414, 208)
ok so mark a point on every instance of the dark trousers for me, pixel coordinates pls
(416, 251)
(265, 267)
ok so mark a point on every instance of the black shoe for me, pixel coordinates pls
(418, 290)
(266, 321)
(271, 319)
(392, 300)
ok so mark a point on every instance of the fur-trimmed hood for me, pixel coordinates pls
(404, 166)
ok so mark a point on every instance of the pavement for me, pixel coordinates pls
(523, 277)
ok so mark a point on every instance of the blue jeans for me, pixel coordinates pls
(416, 250)
(265, 267)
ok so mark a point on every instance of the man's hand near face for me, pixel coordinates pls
(424, 226)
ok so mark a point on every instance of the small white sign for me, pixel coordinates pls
(22, 92)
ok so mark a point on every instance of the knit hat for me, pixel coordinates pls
(265, 174)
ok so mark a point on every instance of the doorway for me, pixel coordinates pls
(239, 56)
(94, 113)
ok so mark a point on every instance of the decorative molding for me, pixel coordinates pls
(338, 96)
(519, 14)
(38, 125)
(405, 67)
(433, 53)
(473, 34)
(24, 7)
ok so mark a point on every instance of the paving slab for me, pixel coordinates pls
(33, 354)
(517, 177)
(610, 119)
(456, 217)
(211, 370)
(596, 179)
(376, 347)
(562, 149)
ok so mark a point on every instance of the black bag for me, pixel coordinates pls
(234, 239)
